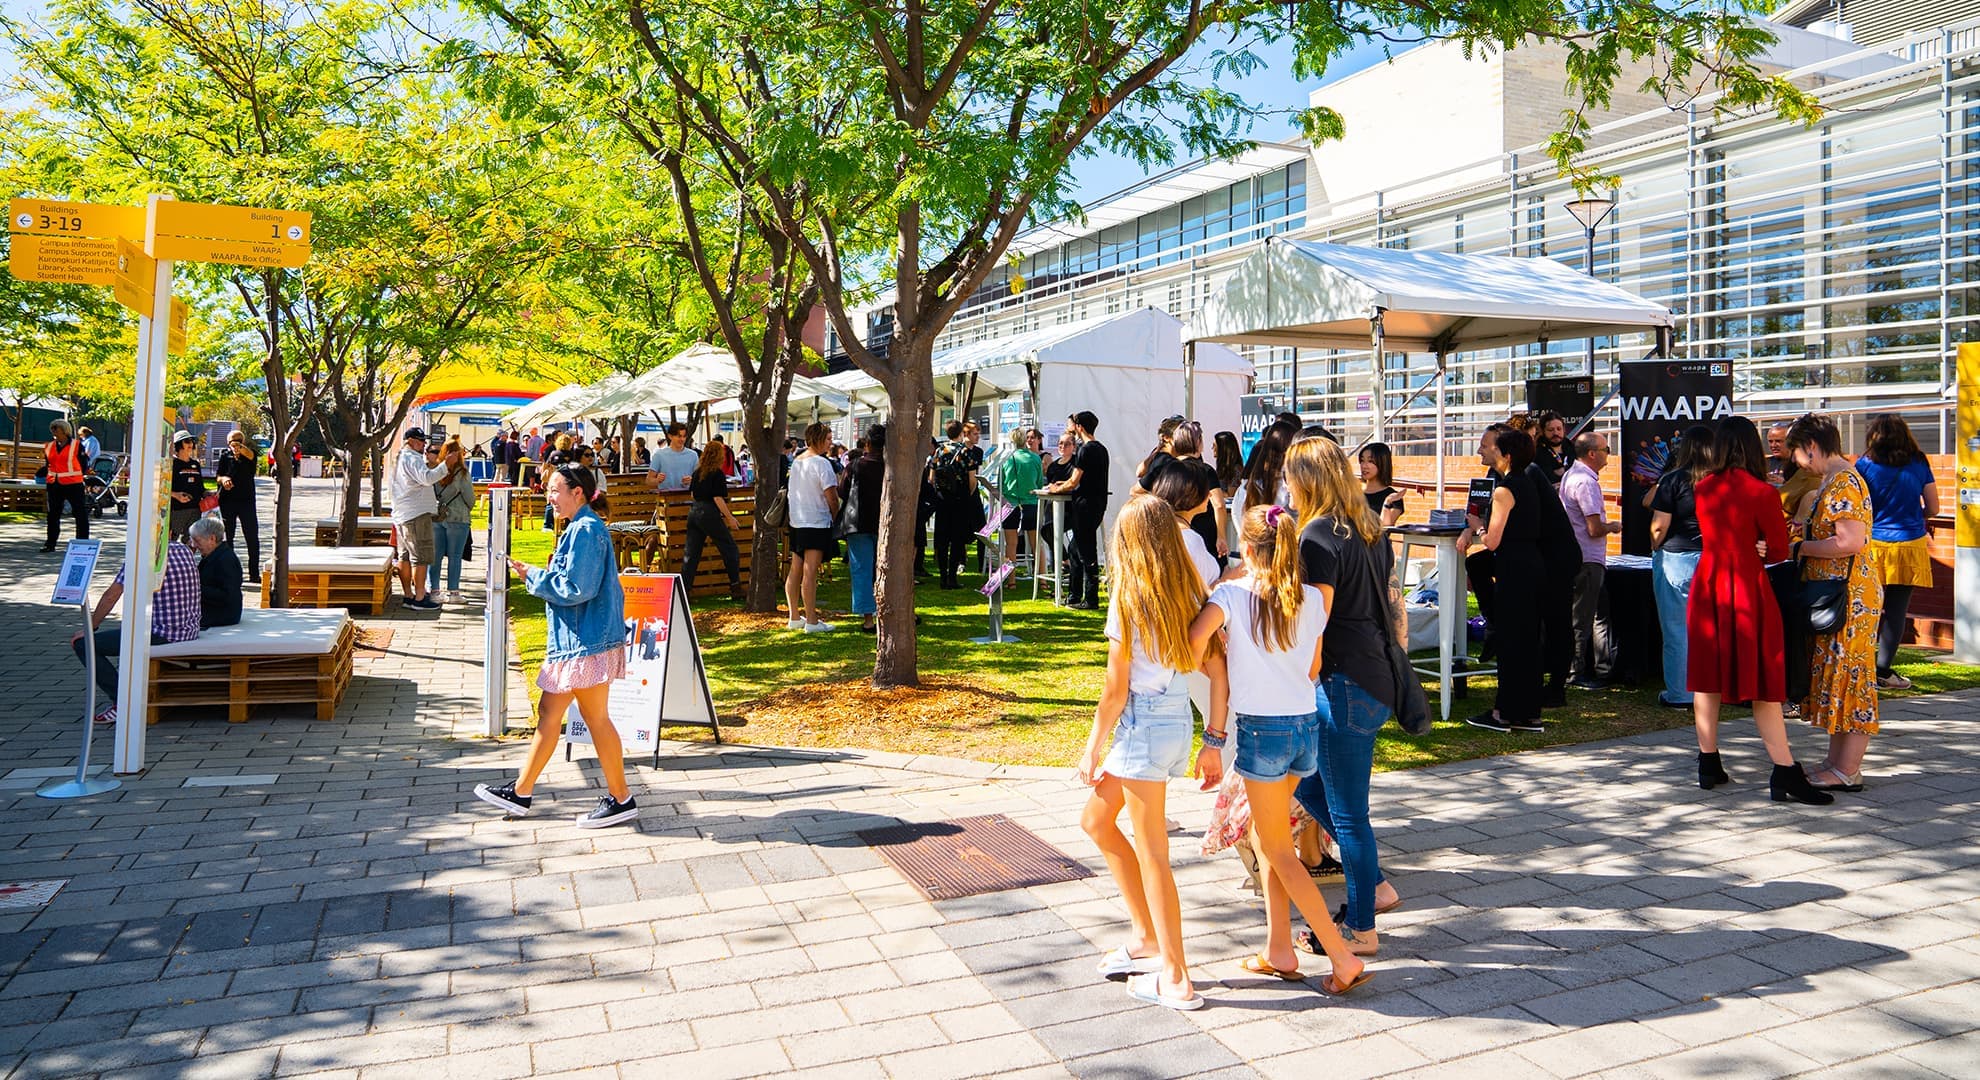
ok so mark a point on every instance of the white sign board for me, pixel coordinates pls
(665, 681)
(78, 564)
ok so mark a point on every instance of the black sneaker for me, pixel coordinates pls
(1489, 722)
(1528, 725)
(609, 811)
(1327, 869)
(504, 797)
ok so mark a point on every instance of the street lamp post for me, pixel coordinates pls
(1591, 211)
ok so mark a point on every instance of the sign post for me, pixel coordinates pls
(72, 587)
(495, 635)
(1966, 511)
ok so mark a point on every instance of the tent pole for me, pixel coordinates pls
(1441, 395)
(1292, 389)
(1189, 379)
(1375, 373)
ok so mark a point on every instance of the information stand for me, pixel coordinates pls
(72, 587)
(666, 682)
(495, 633)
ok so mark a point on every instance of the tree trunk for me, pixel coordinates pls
(375, 454)
(766, 578)
(20, 417)
(911, 401)
(353, 499)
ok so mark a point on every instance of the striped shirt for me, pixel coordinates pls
(175, 606)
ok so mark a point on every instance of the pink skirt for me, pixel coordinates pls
(565, 676)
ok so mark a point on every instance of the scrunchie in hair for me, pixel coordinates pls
(1273, 514)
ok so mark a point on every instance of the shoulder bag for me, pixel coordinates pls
(847, 523)
(1412, 708)
(1825, 600)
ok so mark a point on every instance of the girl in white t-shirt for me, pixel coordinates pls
(1144, 709)
(1272, 661)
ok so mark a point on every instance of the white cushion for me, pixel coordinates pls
(264, 632)
(341, 560)
(362, 523)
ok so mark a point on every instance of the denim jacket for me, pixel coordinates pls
(580, 592)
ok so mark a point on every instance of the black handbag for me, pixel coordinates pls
(1412, 707)
(1826, 600)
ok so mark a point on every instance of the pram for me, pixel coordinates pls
(100, 485)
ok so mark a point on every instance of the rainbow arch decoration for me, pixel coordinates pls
(473, 390)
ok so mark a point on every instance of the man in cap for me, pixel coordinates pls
(413, 507)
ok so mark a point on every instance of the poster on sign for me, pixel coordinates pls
(1256, 412)
(1660, 398)
(665, 682)
(1573, 396)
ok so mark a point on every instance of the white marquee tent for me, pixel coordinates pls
(698, 375)
(1127, 368)
(1308, 294)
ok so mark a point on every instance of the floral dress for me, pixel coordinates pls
(1842, 690)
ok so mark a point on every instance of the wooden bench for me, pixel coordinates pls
(330, 577)
(23, 496)
(371, 532)
(277, 657)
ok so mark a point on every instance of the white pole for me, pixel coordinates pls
(145, 521)
(1441, 388)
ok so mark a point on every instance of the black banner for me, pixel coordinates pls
(1573, 396)
(1660, 398)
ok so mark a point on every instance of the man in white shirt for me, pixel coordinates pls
(672, 466)
(1581, 495)
(413, 507)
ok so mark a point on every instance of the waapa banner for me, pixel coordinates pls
(1660, 398)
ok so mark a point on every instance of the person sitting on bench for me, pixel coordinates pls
(174, 617)
(219, 574)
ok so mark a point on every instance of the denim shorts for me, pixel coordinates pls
(1152, 738)
(1275, 747)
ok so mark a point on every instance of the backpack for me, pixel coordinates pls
(952, 471)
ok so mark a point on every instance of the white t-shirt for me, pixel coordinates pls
(1207, 566)
(1145, 674)
(811, 476)
(1269, 683)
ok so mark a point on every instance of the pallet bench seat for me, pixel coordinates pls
(371, 532)
(330, 577)
(283, 656)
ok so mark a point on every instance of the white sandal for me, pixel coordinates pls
(1119, 962)
(1148, 987)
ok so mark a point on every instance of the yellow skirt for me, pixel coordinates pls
(1903, 562)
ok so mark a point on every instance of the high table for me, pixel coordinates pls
(1453, 630)
(1058, 505)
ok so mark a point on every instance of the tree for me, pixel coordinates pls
(940, 128)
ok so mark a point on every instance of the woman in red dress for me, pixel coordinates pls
(1736, 648)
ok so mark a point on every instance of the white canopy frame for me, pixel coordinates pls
(1305, 293)
(698, 375)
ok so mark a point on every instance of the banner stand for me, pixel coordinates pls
(1966, 508)
(666, 681)
(72, 587)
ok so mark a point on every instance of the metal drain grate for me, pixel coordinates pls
(968, 856)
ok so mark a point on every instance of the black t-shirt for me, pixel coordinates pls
(1155, 463)
(1554, 465)
(709, 486)
(1056, 470)
(240, 469)
(1092, 462)
(1205, 523)
(1378, 499)
(1674, 497)
(1355, 645)
(1557, 542)
(188, 479)
(869, 474)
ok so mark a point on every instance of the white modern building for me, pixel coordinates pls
(1835, 264)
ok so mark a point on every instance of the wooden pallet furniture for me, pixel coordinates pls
(272, 657)
(711, 578)
(526, 508)
(371, 532)
(28, 496)
(331, 577)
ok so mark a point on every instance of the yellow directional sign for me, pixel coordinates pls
(52, 217)
(68, 241)
(135, 278)
(207, 232)
(175, 331)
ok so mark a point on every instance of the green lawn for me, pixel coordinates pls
(1030, 703)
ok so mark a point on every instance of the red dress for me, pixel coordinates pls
(1736, 648)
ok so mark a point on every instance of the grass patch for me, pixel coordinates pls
(1031, 703)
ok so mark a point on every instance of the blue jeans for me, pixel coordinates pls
(1670, 583)
(1337, 795)
(860, 549)
(449, 540)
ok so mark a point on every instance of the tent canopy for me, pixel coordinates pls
(699, 374)
(1309, 294)
(543, 410)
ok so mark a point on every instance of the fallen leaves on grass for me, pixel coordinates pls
(715, 623)
(820, 708)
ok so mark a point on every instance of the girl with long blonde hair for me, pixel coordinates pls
(1271, 661)
(1343, 555)
(1144, 710)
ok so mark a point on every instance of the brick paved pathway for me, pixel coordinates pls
(346, 908)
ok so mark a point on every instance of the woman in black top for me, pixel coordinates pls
(1163, 453)
(1677, 545)
(1230, 461)
(859, 501)
(237, 506)
(1343, 554)
(188, 483)
(708, 519)
(1515, 537)
(1186, 452)
(1378, 483)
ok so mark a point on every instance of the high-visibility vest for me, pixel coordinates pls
(65, 463)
